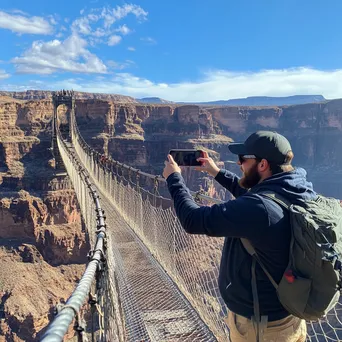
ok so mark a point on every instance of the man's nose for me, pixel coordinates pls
(238, 162)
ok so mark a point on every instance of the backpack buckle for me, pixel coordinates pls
(289, 276)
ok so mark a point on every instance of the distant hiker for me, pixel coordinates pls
(258, 222)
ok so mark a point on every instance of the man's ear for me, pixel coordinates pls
(263, 165)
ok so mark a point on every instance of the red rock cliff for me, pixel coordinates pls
(42, 251)
(141, 135)
(42, 245)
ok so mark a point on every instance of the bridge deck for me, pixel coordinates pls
(153, 305)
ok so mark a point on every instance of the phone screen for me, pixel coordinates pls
(186, 157)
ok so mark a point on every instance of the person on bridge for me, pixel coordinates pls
(265, 161)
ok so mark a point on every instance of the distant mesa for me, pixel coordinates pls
(47, 95)
(154, 100)
(268, 101)
(248, 101)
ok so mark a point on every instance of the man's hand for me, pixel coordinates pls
(170, 167)
(208, 165)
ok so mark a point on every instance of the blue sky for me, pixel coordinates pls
(178, 50)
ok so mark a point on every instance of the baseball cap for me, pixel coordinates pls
(268, 145)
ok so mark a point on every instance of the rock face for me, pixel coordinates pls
(142, 135)
(43, 247)
(42, 241)
(24, 127)
(30, 288)
(314, 131)
(42, 251)
(52, 222)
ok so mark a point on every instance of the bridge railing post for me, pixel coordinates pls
(155, 190)
(137, 181)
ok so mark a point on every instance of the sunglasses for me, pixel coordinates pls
(243, 158)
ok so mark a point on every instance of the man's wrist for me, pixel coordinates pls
(173, 173)
(215, 172)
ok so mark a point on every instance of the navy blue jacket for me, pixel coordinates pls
(252, 216)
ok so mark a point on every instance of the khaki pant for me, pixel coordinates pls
(288, 329)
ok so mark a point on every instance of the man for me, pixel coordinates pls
(265, 161)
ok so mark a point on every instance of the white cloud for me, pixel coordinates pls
(16, 87)
(148, 40)
(131, 48)
(114, 40)
(18, 11)
(120, 66)
(3, 74)
(25, 24)
(53, 20)
(68, 55)
(99, 32)
(81, 25)
(93, 41)
(94, 17)
(61, 33)
(106, 17)
(123, 29)
(110, 16)
(30, 85)
(221, 85)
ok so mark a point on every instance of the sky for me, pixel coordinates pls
(179, 50)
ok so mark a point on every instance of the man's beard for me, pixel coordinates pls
(251, 178)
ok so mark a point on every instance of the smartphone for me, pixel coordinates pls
(186, 157)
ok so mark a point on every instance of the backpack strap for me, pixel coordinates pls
(251, 250)
(282, 201)
(260, 322)
(248, 246)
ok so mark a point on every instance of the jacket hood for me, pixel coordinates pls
(291, 185)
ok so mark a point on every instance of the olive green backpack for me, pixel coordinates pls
(310, 286)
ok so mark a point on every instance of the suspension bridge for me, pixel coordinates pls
(146, 279)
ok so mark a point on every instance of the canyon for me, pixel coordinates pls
(142, 135)
(43, 240)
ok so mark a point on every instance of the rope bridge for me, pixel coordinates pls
(147, 279)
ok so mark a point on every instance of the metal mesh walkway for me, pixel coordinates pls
(154, 308)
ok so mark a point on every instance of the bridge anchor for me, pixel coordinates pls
(63, 97)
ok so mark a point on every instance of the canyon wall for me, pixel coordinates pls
(43, 250)
(142, 135)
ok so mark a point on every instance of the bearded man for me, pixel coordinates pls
(265, 161)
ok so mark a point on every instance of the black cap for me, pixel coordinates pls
(268, 145)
